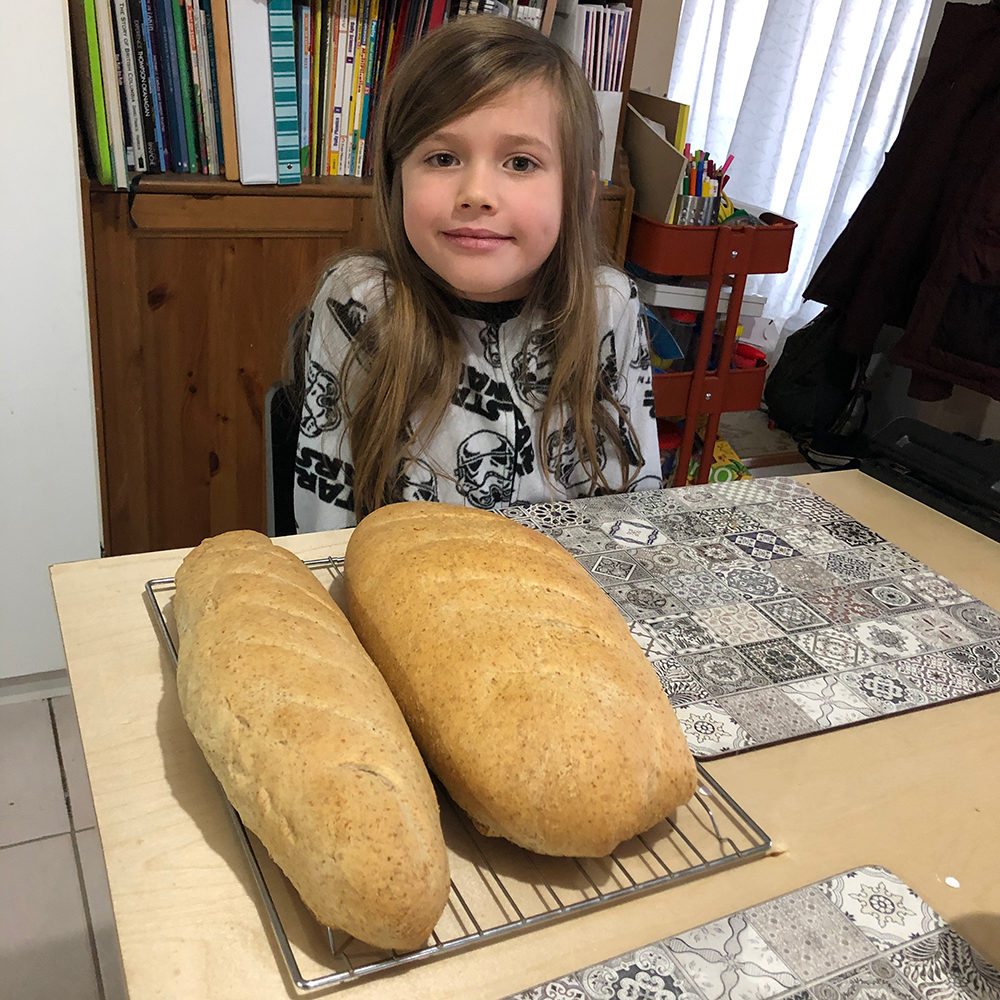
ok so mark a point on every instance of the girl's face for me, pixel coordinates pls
(482, 196)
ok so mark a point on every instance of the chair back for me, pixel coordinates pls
(281, 436)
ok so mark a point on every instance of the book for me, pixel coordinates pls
(250, 55)
(284, 90)
(346, 44)
(197, 104)
(385, 63)
(199, 52)
(333, 88)
(319, 96)
(303, 64)
(136, 145)
(224, 89)
(146, 87)
(320, 18)
(90, 87)
(319, 84)
(154, 45)
(388, 11)
(213, 137)
(398, 33)
(208, 18)
(414, 17)
(623, 18)
(166, 72)
(680, 132)
(371, 55)
(357, 85)
(184, 77)
(436, 14)
(112, 96)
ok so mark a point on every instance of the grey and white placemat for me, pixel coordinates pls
(862, 935)
(768, 613)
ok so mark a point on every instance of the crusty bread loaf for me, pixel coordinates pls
(522, 685)
(300, 729)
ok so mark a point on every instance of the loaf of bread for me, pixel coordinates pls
(522, 685)
(307, 741)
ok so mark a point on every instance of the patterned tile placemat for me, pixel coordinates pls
(862, 935)
(768, 613)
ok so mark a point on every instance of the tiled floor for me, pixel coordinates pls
(57, 935)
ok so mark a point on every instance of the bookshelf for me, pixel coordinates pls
(193, 283)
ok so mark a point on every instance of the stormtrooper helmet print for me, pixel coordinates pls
(417, 482)
(321, 406)
(484, 470)
(532, 369)
(564, 461)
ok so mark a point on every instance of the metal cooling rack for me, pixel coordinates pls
(497, 889)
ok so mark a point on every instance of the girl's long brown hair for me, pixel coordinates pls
(407, 357)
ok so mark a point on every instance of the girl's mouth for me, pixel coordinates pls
(475, 239)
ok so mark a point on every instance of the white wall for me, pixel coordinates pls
(49, 501)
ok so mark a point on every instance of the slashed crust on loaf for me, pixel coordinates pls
(522, 685)
(307, 741)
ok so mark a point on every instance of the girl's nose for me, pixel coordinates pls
(476, 192)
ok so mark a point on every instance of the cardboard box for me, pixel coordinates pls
(656, 165)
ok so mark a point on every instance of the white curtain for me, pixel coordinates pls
(807, 95)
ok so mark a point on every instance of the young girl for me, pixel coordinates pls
(483, 357)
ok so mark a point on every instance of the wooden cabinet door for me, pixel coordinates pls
(193, 307)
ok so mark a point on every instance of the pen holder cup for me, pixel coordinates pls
(694, 211)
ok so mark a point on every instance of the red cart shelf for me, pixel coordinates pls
(723, 255)
(743, 391)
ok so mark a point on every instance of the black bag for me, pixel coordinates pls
(817, 392)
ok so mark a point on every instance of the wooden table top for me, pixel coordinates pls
(915, 793)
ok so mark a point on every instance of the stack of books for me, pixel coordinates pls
(260, 91)
(597, 34)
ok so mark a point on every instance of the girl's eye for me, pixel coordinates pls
(522, 164)
(441, 160)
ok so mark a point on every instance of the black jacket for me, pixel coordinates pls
(922, 250)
